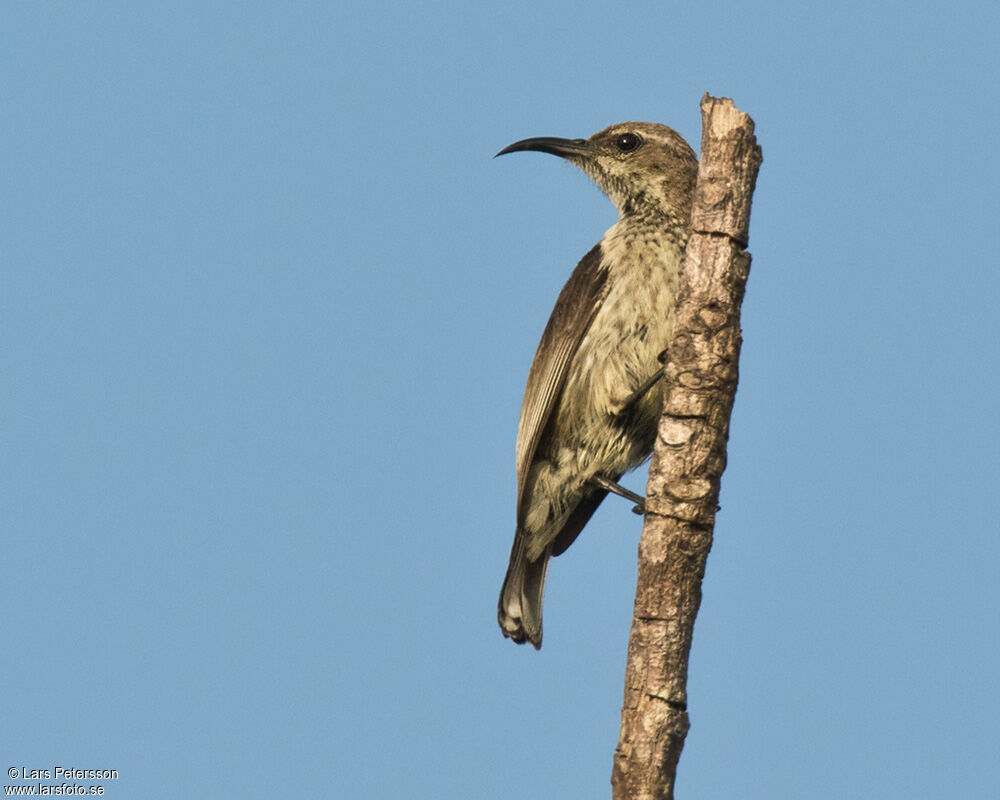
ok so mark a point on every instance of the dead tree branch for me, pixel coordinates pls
(689, 457)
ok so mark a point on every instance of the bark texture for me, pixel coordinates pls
(690, 454)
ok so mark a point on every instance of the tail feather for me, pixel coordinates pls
(520, 608)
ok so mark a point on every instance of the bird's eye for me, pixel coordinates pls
(627, 142)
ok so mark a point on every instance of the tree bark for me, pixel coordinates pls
(689, 457)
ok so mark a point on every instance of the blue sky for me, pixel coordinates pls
(266, 312)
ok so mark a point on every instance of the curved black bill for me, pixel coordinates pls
(549, 144)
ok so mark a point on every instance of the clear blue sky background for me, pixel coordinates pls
(266, 312)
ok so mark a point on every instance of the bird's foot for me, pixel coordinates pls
(610, 486)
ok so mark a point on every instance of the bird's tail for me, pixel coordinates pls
(520, 608)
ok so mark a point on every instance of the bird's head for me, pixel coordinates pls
(642, 167)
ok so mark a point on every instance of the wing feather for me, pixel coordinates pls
(578, 302)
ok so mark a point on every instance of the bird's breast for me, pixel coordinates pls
(631, 328)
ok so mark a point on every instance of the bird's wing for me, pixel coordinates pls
(575, 309)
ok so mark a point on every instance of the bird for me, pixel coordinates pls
(594, 394)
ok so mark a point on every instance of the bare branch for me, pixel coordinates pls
(689, 457)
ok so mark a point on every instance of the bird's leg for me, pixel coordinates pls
(648, 384)
(639, 393)
(610, 486)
